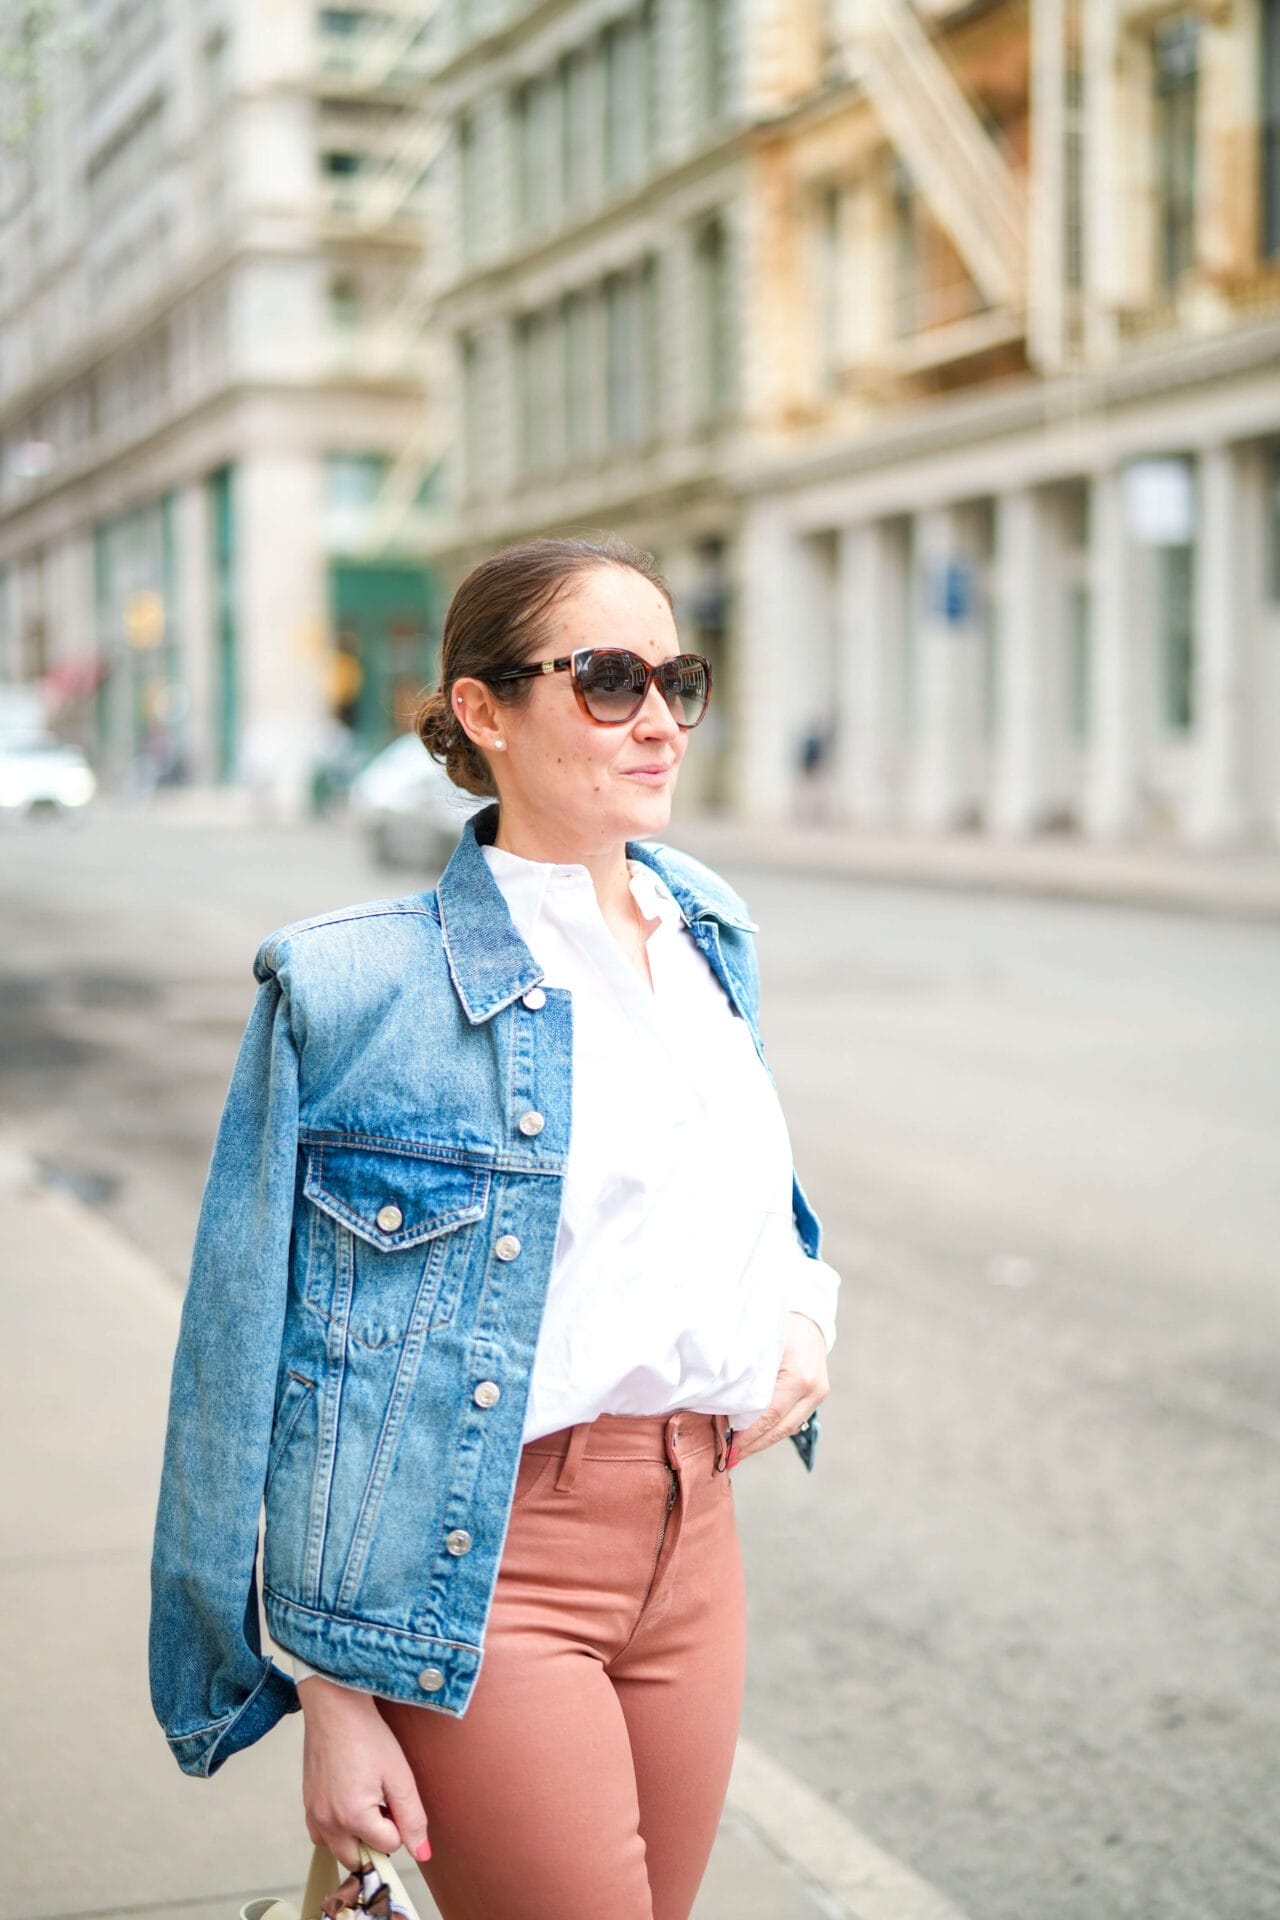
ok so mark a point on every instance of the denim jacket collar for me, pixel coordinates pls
(489, 963)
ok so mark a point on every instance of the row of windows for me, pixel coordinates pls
(592, 121)
(589, 369)
(124, 167)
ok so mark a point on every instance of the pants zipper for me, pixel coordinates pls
(673, 1487)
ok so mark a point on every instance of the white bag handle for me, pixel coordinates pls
(325, 1877)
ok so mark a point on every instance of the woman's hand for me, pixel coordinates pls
(801, 1386)
(356, 1782)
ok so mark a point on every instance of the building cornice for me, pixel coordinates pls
(118, 461)
(992, 413)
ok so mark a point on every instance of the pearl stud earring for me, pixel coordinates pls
(499, 743)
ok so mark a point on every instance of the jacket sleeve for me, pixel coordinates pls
(814, 1285)
(212, 1688)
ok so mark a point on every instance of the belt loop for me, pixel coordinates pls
(568, 1474)
(724, 1436)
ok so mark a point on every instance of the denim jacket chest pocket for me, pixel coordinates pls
(381, 1242)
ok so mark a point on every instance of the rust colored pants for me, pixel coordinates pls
(586, 1779)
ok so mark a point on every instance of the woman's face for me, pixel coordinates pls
(560, 773)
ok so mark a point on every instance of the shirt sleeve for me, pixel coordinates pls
(812, 1289)
(301, 1671)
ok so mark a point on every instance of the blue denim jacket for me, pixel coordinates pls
(371, 1261)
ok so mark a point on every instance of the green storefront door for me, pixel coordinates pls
(386, 623)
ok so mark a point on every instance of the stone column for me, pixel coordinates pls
(1217, 809)
(1111, 786)
(194, 539)
(761, 719)
(945, 789)
(283, 652)
(1029, 624)
(871, 617)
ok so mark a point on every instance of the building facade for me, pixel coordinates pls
(211, 243)
(936, 353)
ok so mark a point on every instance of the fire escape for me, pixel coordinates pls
(376, 70)
(957, 164)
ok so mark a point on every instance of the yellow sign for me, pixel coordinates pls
(144, 619)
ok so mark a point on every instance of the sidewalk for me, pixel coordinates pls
(1237, 884)
(99, 1820)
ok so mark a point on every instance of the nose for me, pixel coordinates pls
(655, 719)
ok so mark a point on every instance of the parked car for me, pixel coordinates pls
(40, 774)
(408, 808)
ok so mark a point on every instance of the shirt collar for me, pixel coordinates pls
(528, 885)
(489, 963)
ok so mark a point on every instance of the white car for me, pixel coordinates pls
(39, 774)
(408, 808)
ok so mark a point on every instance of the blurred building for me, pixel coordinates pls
(212, 379)
(934, 350)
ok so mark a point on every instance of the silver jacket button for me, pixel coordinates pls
(390, 1217)
(506, 1246)
(534, 999)
(487, 1394)
(457, 1542)
(531, 1123)
(431, 1679)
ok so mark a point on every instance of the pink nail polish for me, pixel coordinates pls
(422, 1851)
(733, 1456)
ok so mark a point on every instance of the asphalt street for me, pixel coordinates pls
(1020, 1626)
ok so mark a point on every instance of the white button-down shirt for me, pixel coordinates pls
(677, 1261)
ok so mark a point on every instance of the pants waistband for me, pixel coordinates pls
(666, 1438)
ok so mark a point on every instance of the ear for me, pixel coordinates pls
(477, 712)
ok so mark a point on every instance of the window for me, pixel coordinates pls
(534, 144)
(712, 54)
(1073, 170)
(1273, 522)
(624, 359)
(469, 357)
(538, 357)
(1175, 570)
(578, 370)
(575, 127)
(1177, 48)
(353, 480)
(624, 102)
(344, 301)
(1270, 129)
(467, 183)
(906, 249)
(829, 241)
(713, 320)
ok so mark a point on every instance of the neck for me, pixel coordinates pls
(606, 863)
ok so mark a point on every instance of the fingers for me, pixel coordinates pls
(356, 1783)
(342, 1833)
(404, 1803)
(777, 1422)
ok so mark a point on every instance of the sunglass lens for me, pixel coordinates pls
(612, 683)
(684, 682)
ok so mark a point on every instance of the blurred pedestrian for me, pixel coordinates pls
(813, 788)
(501, 1267)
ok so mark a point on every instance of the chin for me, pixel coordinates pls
(648, 814)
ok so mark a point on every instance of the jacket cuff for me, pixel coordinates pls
(203, 1752)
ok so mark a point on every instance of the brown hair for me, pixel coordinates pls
(494, 622)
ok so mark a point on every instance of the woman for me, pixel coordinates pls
(501, 1241)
